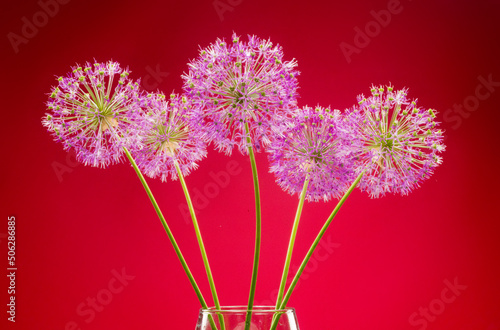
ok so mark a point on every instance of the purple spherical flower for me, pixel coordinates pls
(242, 84)
(169, 134)
(92, 110)
(313, 144)
(400, 141)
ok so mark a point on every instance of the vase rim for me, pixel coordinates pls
(244, 309)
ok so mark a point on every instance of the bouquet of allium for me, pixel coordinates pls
(244, 94)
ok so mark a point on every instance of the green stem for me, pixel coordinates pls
(288, 258)
(257, 229)
(316, 241)
(200, 242)
(291, 244)
(169, 232)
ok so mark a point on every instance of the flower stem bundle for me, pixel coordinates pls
(243, 94)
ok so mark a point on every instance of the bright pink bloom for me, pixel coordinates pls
(92, 110)
(238, 84)
(169, 134)
(313, 144)
(400, 142)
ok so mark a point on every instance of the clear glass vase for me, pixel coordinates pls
(234, 318)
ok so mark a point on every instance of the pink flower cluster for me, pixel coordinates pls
(243, 87)
(244, 94)
(399, 142)
(92, 110)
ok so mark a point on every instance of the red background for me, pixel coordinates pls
(387, 257)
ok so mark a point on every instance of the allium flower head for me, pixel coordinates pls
(241, 83)
(313, 144)
(91, 111)
(169, 134)
(399, 141)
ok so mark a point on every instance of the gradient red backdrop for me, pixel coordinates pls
(429, 260)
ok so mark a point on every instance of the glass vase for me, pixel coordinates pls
(234, 318)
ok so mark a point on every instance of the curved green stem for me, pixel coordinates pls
(316, 241)
(200, 242)
(257, 229)
(291, 243)
(169, 232)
